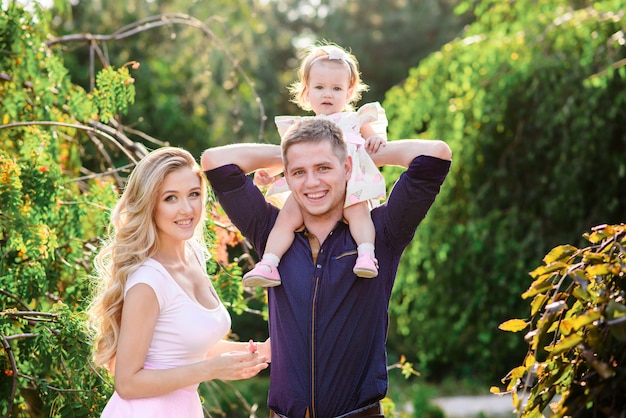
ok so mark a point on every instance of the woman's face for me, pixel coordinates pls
(179, 206)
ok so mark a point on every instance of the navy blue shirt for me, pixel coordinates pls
(328, 327)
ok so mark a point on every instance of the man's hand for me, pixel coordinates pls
(263, 178)
(373, 144)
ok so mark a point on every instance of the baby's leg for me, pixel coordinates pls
(265, 273)
(282, 235)
(363, 232)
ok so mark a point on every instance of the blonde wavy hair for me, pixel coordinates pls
(311, 55)
(132, 238)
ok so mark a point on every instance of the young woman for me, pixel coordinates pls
(159, 323)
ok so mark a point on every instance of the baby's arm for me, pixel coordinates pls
(373, 141)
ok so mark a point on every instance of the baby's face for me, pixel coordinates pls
(328, 88)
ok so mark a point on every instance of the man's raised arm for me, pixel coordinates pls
(403, 152)
(249, 157)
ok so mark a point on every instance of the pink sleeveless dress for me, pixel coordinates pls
(184, 332)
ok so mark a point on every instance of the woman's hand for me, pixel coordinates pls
(235, 365)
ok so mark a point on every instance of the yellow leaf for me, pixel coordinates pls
(598, 270)
(518, 373)
(539, 285)
(566, 326)
(565, 344)
(513, 325)
(586, 319)
(537, 303)
(530, 361)
(548, 268)
(558, 253)
(494, 389)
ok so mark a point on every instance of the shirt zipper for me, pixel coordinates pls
(313, 409)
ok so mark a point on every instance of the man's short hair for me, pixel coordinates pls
(315, 130)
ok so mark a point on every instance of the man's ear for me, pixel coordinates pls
(347, 165)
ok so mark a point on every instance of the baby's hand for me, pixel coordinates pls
(373, 144)
(263, 178)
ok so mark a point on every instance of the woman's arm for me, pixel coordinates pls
(139, 317)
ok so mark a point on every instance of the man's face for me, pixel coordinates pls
(317, 179)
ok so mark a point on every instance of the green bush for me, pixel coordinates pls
(531, 100)
(58, 180)
(50, 221)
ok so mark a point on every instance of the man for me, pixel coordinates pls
(328, 327)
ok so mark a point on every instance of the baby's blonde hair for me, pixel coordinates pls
(327, 51)
(133, 237)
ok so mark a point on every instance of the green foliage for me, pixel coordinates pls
(54, 209)
(49, 224)
(46, 231)
(221, 76)
(229, 287)
(531, 100)
(198, 80)
(422, 406)
(577, 334)
(115, 90)
(387, 40)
